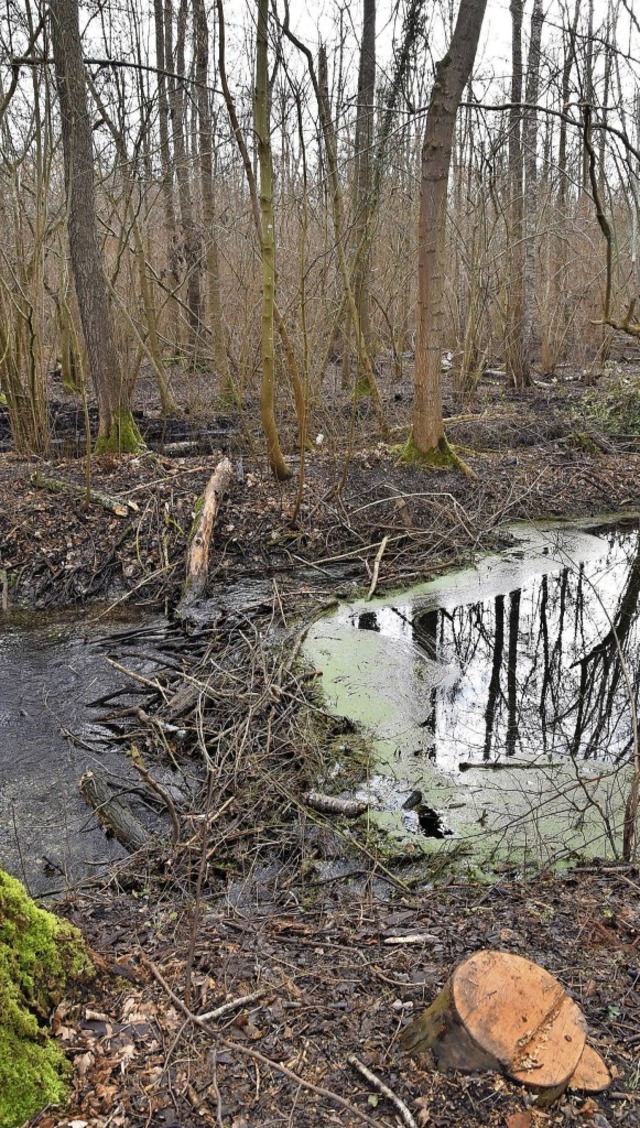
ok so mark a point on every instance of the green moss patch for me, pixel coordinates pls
(38, 954)
(123, 438)
(440, 457)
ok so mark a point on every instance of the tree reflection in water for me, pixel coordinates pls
(540, 668)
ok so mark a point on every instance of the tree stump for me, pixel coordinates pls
(198, 559)
(502, 1012)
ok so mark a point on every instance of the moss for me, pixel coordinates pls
(440, 457)
(123, 438)
(38, 954)
(585, 442)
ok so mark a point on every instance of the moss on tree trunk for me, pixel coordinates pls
(442, 456)
(38, 954)
(123, 436)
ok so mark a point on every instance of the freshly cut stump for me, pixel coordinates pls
(500, 1011)
(591, 1074)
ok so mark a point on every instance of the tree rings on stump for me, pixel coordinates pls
(500, 1011)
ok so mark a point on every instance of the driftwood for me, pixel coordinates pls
(114, 813)
(502, 1012)
(332, 805)
(198, 558)
(56, 485)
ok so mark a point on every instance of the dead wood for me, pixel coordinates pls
(198, 557)
(333, 805)
(114, 813)
(502, 1012)
(392, 1097)
(56, 485)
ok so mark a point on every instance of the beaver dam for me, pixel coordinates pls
(500, 701)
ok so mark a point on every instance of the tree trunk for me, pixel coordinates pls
(530, 146)
(363, 173)
(205, 144)
(190, 242)
(198, 561)
(514, 360)
(452, 72)
(116, 428)
(267, 247)
(165, 151)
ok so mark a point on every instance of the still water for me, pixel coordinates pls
(51, 667)
(502, 693)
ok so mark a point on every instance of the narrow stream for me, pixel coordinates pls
(498, 698)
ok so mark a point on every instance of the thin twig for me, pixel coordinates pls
(399, 1105)
(376, 566)
(233, 1004)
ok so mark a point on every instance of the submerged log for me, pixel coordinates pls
(198, 559)
(114, 813)
(502, 1012)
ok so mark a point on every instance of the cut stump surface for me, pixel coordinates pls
(500, 1011)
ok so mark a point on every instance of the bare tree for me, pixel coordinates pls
(427, 441)
(267, 246)
(205, 144)
(116, 428)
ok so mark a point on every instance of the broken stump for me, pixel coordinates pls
(502, 1012)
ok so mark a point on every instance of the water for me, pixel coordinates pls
(49, 669)
(501, 693)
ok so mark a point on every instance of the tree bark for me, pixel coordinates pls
(113, 812)
(205, 144)
(452, 73)
(365, 120)
(268, 248)
(502, 1012)
(190, 241)
(116, 428)
(530, 146)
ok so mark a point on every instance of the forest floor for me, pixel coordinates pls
(333, 960)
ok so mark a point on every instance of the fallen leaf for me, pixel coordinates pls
(84, 1062)
(520, 1120)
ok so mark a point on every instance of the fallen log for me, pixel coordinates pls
(198, 557)
(56, 485)
(333, 805)
(113, 812)
(502, 1012)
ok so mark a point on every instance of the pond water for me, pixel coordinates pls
(497, 699)
(50, 668)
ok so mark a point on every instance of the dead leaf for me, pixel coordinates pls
(84, 1062)
(520, 1120)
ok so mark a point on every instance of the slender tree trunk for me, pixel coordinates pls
(205, 144)
(287, 346)
(452, 73)
(319, 84)
(165, 151)
(190, 241)
(267, 246)
(530, 145)
(514, 360)
(365, 121)
(116, 428)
